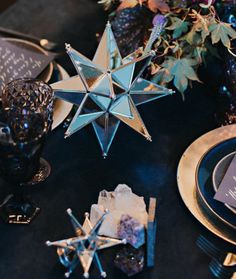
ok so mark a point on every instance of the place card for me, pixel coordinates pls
(17, 62)
(227, 188)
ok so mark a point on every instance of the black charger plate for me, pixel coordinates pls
(205, 189)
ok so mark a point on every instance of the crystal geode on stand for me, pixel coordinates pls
(122, 201)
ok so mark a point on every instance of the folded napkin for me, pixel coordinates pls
(17, 62)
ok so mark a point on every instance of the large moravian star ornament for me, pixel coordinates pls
(107, 90)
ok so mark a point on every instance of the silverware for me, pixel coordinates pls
(221, 271)
(230, 260)
(46, 44)
(227, 258)
(223, 264)
(208, 247)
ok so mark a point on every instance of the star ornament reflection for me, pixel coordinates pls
(107, 90)
(83, 248)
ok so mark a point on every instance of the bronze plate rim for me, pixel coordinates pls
(186, 175)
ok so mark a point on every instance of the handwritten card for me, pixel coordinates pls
(17, 62)
(227, 188)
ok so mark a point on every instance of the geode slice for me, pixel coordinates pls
(130, 260)
(130, 229)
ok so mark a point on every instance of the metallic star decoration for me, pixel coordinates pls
(107, 90)
(83, 248)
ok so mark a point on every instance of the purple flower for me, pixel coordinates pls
(159, 20)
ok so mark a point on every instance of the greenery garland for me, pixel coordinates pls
(192, 31)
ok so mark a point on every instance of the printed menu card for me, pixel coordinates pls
(17, 62)
(227, 189)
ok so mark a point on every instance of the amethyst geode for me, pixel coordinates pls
(130, 229)
(130, 260)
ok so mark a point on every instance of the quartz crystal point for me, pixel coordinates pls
(122, 201)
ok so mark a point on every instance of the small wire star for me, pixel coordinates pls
(83, 248)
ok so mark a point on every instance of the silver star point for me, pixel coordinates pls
(67, 46)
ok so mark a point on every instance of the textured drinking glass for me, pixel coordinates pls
(22, 137)
(32, 96)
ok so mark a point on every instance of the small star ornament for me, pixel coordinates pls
(107, 90)
(83, 248)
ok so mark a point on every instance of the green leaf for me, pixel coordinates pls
(162, 77)
(180, 82)
(179, 26)
(198, 33)
(182, 71)
(222, 32)
(204, 33)
(198, 53)
(193, 37)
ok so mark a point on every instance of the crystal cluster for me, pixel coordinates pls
(131, 230)
(122, 201)
(130, 260)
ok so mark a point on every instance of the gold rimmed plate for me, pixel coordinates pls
(186, 177)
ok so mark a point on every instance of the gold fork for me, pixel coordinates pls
(230, 260)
